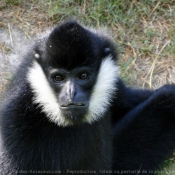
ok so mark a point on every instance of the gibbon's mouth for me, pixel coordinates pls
(74, 104)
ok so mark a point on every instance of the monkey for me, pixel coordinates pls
(66, 111)
(55, 114)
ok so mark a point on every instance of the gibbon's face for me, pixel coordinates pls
(73, 75)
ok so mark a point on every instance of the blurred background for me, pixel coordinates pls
(143, 30)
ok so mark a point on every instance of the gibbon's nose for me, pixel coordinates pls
(70, 90)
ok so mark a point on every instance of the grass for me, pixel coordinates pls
(143, 30)
(14, 2)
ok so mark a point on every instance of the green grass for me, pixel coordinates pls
(14, 2)
(94, 13)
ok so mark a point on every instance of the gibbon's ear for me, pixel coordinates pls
(107, 51)
(37, 56)
(38, 52)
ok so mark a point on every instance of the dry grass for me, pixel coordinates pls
(29, 18)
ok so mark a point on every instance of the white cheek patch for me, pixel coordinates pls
(44, 96)
(103, 90)
(100, 98)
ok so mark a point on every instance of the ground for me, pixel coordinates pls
(142, 30)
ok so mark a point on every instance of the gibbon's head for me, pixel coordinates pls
(73, 75)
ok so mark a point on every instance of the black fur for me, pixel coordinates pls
(142, 121)
(143, 129)
(30, 143)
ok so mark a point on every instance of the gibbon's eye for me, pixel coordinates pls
(83, 76)
(58, 78)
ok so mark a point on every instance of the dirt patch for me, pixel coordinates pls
(18, 25)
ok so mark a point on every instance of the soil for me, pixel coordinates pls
(19, 24)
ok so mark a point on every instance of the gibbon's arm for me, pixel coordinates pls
(127, 99)
(145, 137)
